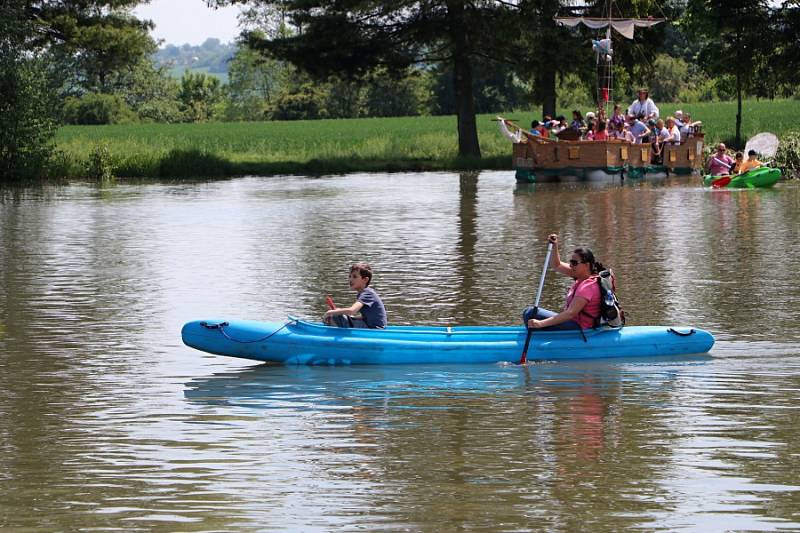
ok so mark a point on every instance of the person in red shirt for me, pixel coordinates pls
(602, 133)
(583, 298)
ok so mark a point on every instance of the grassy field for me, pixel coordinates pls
(331, 146)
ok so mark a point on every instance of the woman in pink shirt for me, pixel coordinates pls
(583, 298)
(720, 163)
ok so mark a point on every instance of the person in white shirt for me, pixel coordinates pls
(674, 132)
(683, 124)
(644, 106)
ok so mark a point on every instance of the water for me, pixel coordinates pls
(108, 421)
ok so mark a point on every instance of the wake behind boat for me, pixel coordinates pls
(298, 342)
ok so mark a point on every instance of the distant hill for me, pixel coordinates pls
(210, 57)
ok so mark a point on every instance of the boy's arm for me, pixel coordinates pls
(350, 311)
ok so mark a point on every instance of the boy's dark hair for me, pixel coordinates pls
(739, 155)
(364, 270)
(751, 152)
(534, 124)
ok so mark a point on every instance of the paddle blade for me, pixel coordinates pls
(524, 358)
(765, 144)
(721, 182)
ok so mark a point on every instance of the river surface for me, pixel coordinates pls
(108, 422)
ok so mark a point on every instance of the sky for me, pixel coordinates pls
(189, 21)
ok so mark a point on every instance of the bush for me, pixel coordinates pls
(100, 166)
(573, 94)
(788, 156)
(27, 126)
(95, 108)
(161, 110)
(305, 104)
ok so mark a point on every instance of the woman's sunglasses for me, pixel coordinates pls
(574, 263)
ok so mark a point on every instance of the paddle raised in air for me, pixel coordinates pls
(524, 357)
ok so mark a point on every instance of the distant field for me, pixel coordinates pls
(405, 143)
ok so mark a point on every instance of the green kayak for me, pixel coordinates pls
(762, 177)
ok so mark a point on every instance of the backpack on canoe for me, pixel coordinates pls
(611, 313)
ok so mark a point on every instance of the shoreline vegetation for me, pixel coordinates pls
(227, 149)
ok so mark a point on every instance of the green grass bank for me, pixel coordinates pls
(222, 149)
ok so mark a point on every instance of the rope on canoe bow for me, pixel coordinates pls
(221, 327)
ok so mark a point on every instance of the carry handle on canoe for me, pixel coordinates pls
(524, 357)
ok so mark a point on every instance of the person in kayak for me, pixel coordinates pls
(368, 303)
(751, 163)
(738, 162)
(720, 163)
(583, 298)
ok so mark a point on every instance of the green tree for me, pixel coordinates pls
(544, 51)
(735, 41)
(786, 59)
(27, 123)
(356, 38)
(306, 102)
(388, 97)
(495, 87)
(199, 95)
(151, 91)
(254, 82)
(97, 108)
(91, 40)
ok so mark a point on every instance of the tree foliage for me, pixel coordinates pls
(97, 108)
(27, 123)
(200, 94)
(356, 39)
(735, 41)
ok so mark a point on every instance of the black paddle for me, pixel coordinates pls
(524, 357)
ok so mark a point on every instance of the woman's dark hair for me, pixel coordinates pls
(587, 257)
(577, 115)
(364, 270)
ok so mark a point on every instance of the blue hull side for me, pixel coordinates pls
(304, 343)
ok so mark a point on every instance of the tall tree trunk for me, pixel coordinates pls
(462, 81)
(738, 110)
(739, 85)
(549, 90)
(547, 78)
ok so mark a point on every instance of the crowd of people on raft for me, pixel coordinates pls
(640, 124)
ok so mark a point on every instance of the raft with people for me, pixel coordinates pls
(540, 159)
(636, 144)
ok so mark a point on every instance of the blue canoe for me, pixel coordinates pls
(298, 342)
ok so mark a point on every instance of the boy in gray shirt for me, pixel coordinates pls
(368, 303)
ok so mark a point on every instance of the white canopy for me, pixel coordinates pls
(624, 27)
